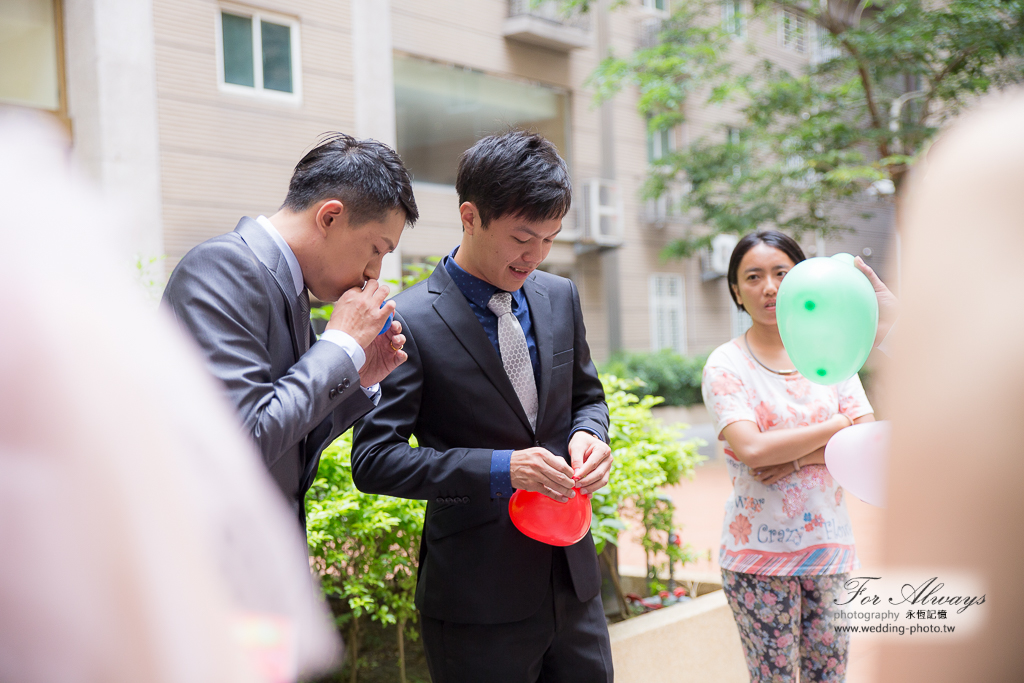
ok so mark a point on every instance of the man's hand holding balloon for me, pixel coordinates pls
(888, 304)
(591, 461)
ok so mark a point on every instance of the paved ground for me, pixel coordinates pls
(699, 512)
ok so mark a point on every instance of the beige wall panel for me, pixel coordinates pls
(438, 230)
(224, 155)
(196, 224)
(243, 134)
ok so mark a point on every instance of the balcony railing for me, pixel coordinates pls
(546, 25)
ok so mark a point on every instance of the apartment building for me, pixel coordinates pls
(195, 112)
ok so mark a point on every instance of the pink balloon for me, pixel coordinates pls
(858, 458)
(549, 521)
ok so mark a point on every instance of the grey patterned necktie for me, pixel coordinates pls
(515, 355)
(302, 321)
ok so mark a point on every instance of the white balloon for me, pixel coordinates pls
(858, 458)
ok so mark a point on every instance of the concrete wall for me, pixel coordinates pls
(111, 91)
(696, 642)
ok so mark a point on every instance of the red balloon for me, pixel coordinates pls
(549, 521)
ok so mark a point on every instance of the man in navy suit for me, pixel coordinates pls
(500, 390)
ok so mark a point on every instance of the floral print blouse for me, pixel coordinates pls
(798, 525)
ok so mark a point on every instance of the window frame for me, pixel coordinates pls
(651, 6)
(731, 19)
(656, 305)
(795, 46)
(257, 90)
(653, 139)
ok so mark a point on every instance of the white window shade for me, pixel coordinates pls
(442, 110)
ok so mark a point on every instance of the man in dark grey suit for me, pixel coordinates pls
(243, 297)
(501, 393)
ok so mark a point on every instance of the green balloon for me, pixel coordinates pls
(827, 315)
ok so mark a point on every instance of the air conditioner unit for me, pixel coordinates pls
(717, 262)
(600, 214)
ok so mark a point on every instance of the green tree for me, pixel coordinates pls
(892, 73)
(365, 548)
(648, 456)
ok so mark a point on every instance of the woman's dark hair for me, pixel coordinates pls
(773, 238)
(517, 173)
(367, 176)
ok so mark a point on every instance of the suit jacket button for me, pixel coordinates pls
(449, 500)
(345, 383)
(339, 389)
(332, 393)
(465, 499)
(440, 500)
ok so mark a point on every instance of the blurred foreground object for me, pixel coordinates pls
(140, 538)
(955, 490)
(858, 458)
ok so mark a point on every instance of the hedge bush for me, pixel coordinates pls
(674, 377)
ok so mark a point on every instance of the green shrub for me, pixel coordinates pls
(667, 374)
(365, 548)
(648, 456)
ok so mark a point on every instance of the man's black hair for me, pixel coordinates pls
(773, 238)
(517, 173)
(367, 176)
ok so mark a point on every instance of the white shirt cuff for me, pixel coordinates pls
(346, 342)
(373, 393)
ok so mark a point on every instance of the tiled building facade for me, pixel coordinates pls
(197, 110)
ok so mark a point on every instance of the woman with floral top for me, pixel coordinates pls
(787, 545)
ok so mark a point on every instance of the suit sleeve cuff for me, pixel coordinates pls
(346, 342)
(501, 474)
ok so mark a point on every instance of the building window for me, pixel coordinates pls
(259, 53)
(733, 21)
(656, 5)
(441, 111)
(741, 321)
(823, 45)
(793, 30)
(31, 55)
(659, 144)
(668, 326)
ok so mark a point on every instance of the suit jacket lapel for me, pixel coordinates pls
(540, 318)
(453, 308)
(262, 244)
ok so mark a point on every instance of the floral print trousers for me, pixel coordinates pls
(786, 625)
